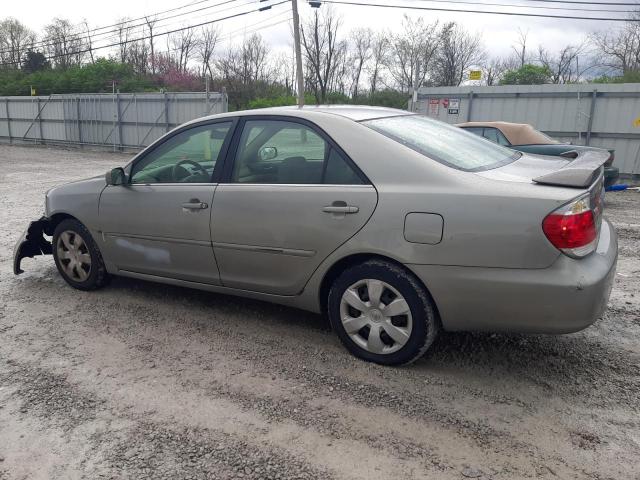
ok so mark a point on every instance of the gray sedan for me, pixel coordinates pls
(392, 224)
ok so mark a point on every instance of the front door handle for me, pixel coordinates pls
(195, 204)
(344, 209)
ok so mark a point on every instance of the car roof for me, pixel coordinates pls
(354, 112)
(516, 133)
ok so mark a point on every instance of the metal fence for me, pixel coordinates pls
(121, 120)
(600, 115)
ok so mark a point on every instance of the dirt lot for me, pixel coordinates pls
(140, 380)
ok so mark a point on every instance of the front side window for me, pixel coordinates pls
(187, 157)
(444, 143)
(282, 152)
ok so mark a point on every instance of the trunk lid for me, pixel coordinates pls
(580, 172)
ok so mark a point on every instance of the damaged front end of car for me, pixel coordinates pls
(32, 243)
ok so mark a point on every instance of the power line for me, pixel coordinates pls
(86, 35)
(488, 12)
(625, 4)
(512, 5)
(235, 15)
(226, 38)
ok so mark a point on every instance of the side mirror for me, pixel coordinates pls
(115, 176)
(268, 153)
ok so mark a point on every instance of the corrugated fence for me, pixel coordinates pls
(127, 120)
(600, 115)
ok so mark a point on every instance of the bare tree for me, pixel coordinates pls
(88, 39)
(138, 55)
(64, 46)
(322, 50)
(458, 51)
(151, 22)
(284, 71)
(123, 33)
(620, 50)
(565, 66)
(15, 40)
(411, 53)
(183, 44)
(493, 69)
(205, 48)
(520, 47)
(244, 70)
(361, 42)
(379, 48)
(343, 73)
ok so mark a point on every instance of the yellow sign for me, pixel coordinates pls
(33, 91)
(475, 75)
(636, 122)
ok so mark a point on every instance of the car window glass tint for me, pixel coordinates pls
(339, 172)
(188, 157)
(275, 151)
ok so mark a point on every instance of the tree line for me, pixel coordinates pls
(360, 66)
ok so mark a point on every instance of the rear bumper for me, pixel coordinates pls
(32, 243)
(566, 297)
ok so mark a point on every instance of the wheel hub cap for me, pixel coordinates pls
(376, 316)
(73, 256)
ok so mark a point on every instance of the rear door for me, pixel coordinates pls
(290, 197)
(158, 223)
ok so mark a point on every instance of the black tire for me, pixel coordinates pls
(97, 274)
(425, 322)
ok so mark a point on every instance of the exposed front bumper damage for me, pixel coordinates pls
(32, 243)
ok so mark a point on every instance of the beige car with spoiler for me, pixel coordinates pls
(394, 225)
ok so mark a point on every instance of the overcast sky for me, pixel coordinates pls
(498, 31)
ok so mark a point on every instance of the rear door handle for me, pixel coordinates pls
(195, 204)
(340, 209)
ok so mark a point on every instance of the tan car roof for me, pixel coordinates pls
(516, 133)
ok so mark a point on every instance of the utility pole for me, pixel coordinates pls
(296, 40)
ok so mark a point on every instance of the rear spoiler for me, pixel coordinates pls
(581, 172)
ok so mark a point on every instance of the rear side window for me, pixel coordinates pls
(496, 136)
(338, 171)
(282, 152)
(444, 143)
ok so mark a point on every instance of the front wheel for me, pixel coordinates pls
(382, 313)
(77, 256)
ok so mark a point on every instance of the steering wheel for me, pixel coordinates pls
(174, 170)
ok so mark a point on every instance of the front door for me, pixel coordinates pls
(290, 198)
(158, 223)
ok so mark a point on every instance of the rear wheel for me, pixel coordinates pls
(382, 313)
(77, 256)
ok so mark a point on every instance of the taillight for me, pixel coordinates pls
(573, 228)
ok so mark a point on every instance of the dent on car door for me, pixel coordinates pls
(290, 198)
(158, 223)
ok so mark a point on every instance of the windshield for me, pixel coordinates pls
(444, 143)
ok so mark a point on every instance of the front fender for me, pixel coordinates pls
(32, 243)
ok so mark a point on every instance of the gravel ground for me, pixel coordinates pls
(140, 380)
